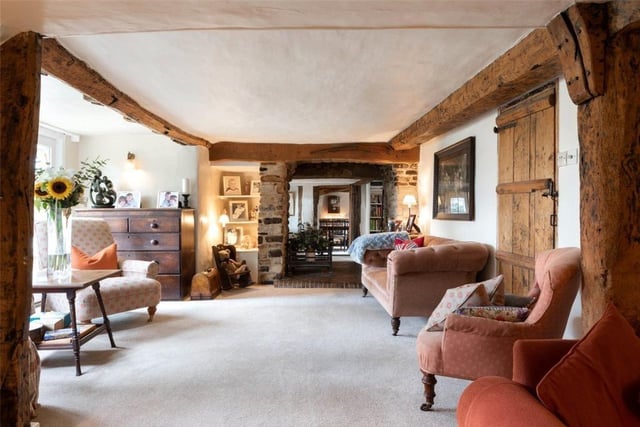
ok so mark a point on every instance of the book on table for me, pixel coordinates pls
(63, 336)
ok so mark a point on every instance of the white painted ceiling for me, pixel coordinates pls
(275, 71)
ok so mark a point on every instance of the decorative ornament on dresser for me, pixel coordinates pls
(56, 191)
(102, 193)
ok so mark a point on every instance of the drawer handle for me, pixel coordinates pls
(154, 242)
(153, 225)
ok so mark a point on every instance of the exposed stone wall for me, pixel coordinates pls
(404, 181)
(400, 179)
(272, 220)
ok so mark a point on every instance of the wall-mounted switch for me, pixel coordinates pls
(572, 157)
(562, 159)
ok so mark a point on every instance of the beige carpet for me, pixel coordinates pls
(258, 356)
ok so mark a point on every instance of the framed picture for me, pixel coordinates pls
(333, 203)
(168, 199)
(231, 186)
(453, 181)
(233, 235)
(128, 199)
(255, 186)
(239, 210)
(292, 203)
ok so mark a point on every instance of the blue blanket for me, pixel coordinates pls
(374, 241)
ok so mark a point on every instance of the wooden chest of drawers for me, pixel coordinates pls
(162, 235)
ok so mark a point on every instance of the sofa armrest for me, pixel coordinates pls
(376, 257)
(497, 401)
(136, 268)
(533, 358)
(460, 256)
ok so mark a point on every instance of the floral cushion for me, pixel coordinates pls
(401, 244)
(471, 295)
(106, 259)
(505, 314)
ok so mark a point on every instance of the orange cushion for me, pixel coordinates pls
(106, 259)
(597, 381)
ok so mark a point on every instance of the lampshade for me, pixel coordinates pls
(409, 200)
(224, 219)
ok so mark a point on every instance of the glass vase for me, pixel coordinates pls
(59, 243)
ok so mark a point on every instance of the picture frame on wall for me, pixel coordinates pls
(333, 204)
(239, 210)
(231, 185)
(454, 181)
(128, 199)
(255, 186)
(168, 199)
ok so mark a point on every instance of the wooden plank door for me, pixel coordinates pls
(526, 184)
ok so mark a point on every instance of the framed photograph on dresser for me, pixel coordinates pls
(167, 199)
(128, 199)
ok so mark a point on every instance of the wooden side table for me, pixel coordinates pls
(79, 279)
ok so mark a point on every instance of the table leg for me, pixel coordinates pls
(107, 324)
(75, 340)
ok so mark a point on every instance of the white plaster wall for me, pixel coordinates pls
(569, 194)
(161, 164)
(484, 227)
(323, 206)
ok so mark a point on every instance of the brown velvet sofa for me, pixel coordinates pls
(411, 282)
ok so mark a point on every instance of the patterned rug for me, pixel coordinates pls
(343, 274)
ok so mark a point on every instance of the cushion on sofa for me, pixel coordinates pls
(601, 372)
(473, 294)
(401, 244)
(495, 312)
(106, 259)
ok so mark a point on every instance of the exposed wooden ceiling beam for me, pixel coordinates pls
(59, 62)
(522, 68)
(580, 34)
(353, 152)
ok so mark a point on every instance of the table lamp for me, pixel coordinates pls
(409, 200)
(224, 220)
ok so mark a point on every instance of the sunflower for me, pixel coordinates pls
(40, 191)
(60, 187)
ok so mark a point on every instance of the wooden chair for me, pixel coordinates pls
(229, 279)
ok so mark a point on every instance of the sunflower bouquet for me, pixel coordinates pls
(57, 191)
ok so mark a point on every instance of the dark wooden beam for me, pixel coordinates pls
(361, 171)
(19, 116)
(531, 63)
(348, 152)
(580, 34)
(59, 62)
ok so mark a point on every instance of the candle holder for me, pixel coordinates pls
(185, 201)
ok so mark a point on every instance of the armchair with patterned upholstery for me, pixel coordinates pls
(135, 288)
(472, 347)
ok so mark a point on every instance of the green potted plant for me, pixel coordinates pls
(308, 239)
